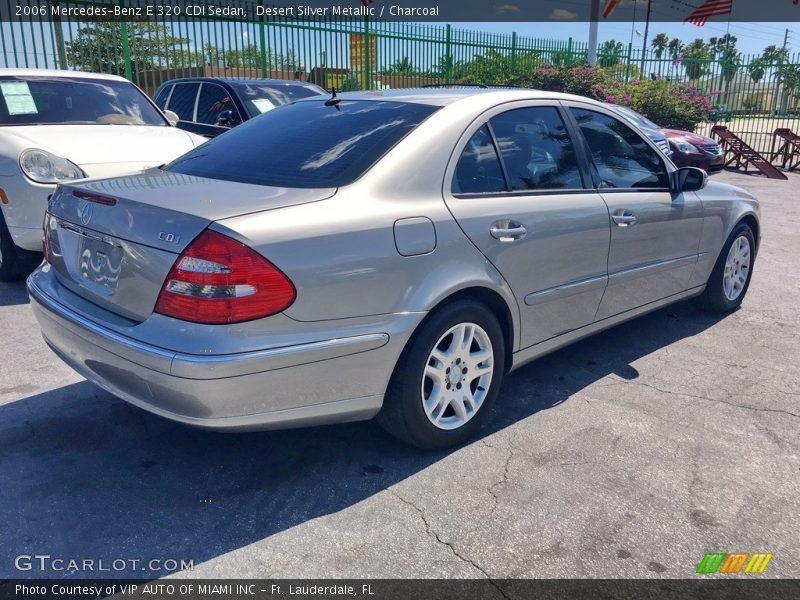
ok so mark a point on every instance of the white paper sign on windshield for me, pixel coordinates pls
(18, 98)
(263, 105)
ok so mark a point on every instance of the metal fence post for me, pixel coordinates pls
(366, 77)
(58, 34)
(569, 52)
(628, 63)
(126, 50)
(263, 42)
(513, 52)
(448, 55)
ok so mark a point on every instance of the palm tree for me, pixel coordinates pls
(675, 47)
(610, 53)
(659, 44)
(757, 68)
(696, 58)
(775, 56)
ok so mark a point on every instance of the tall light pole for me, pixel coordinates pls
(646, 30)
(594, 17)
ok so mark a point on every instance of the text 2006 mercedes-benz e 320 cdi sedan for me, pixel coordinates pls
(383, 253)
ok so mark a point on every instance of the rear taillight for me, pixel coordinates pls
(219, 280)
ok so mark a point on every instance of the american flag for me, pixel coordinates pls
(709, 8)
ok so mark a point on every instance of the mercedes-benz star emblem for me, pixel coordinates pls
(85, 213)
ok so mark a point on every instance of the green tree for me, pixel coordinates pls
(675, 49)
(721, 44)
(494, 67)
(249, 57)
(696, 58)
(403, 66)
(659, 44)
(99, 47)
(730, 61)
(757, 68)
(776, 58)
(610, 53)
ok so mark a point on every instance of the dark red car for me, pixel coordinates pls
(694, 150)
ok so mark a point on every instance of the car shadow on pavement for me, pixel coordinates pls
(13, 294)
(85, 475)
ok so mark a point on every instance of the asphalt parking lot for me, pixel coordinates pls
(630, 454)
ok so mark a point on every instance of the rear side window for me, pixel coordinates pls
(306, 144)
(162, 96)
(536, 149)
(214, 100)
(478, 170)
(182, 100)
(622, 158)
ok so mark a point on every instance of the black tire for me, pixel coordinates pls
(403, 414)
(714, 299)
(9, 256)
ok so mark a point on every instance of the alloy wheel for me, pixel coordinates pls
(737, 268)
(457, 376)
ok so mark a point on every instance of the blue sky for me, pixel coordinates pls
(752, 37)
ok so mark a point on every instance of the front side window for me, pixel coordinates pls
(74, 100)
(622, 158)
(214, 100)
(310, 144)
(182, 100)
(478, 170)
(536, 149)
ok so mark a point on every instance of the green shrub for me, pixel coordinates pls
(673, 105)
(581, 80)
(676, 106)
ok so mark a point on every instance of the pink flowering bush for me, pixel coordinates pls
(677, 106)
(591, 82)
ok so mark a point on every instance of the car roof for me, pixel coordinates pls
(58, 73)
(249, 80)
(449, 94)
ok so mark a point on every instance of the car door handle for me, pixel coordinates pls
(624, 218)
(506, 230)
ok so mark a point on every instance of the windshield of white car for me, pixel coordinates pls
(308, 144)
(74, 101)
(259, 98)
(637, 119)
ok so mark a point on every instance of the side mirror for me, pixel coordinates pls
(226, 119)
(172, 117)
(689, 179)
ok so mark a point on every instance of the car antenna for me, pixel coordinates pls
(333, 100)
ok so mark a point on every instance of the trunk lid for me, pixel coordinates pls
(113, 241)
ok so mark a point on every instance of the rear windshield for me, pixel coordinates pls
(74, 100)
(258, 97)
(306, 144)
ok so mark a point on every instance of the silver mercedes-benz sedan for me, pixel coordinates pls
(389, 254)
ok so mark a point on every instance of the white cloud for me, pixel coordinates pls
(506, 9)
(561, 14)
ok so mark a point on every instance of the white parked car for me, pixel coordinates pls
(57, 126)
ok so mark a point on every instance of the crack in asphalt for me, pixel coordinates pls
(435, 535)
(706, 398)
(502, 481)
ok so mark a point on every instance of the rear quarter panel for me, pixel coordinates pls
(341, 256)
